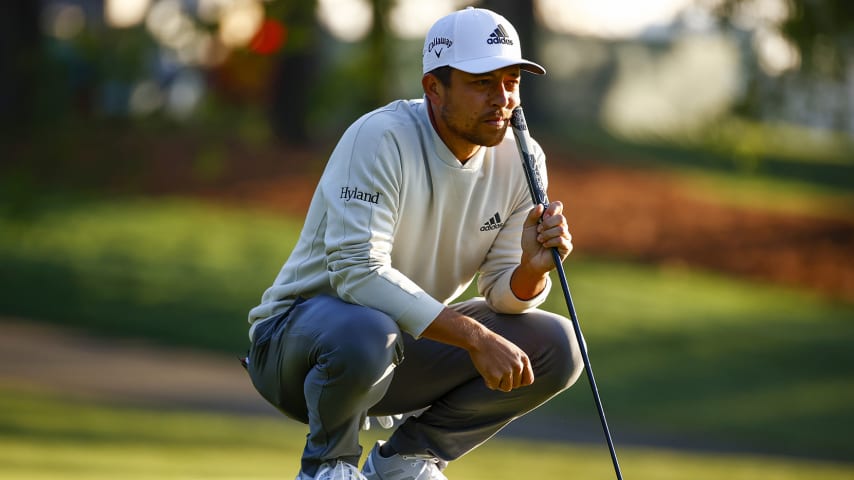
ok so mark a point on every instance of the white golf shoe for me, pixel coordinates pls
(334, 471)
(397, 467)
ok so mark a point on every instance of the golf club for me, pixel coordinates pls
(538, 195)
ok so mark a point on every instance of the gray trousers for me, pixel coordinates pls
(328, 363)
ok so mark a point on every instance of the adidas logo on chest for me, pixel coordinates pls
(493, 223)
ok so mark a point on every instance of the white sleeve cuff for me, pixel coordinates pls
(503, 300)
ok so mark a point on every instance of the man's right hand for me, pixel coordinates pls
(503, 365)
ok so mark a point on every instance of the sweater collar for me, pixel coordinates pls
(441, 150)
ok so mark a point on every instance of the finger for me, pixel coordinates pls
(523, 375)
(506, 384)
(553, 221)
(493, 383)
(566, 248)
(563, 244)
(555, 231)
(527, 376)
(517, 380)
(557, 237)
(555, 208)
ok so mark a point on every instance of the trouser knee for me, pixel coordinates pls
(557, 360)
(324, 343)
(365, 354)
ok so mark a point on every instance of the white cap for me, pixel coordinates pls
(474, 40)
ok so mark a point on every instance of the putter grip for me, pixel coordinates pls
(529, 163)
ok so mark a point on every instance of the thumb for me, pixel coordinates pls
(534, 216)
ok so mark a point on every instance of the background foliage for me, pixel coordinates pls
(150, 191)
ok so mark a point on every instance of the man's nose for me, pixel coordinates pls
(504, 97)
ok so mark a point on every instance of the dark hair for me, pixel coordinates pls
(443, 74)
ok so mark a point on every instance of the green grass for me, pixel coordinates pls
(764, 193)
(45, 437)
(676, 352)
(173, 270)
(733, 148)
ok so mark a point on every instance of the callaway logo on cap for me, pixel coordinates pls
(474, 40)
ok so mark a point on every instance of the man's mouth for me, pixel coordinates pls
(498, 121)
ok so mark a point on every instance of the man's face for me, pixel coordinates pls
(475, 108)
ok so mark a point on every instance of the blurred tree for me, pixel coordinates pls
(308, 89)
(20, 57)
(379, 59)
(296, 70)
(823, 33)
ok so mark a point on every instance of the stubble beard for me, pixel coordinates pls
(471, 135)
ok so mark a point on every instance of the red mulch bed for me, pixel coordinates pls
(619, 212)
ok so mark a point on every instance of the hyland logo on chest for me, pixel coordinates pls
(354, 193)
(492, 224)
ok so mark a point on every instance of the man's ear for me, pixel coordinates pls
(433, 88)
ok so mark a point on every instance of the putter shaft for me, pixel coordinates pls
(538, 196)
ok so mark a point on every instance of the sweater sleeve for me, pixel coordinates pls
(362, 194)
(506, 252)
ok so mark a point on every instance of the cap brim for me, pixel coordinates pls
(488, 64)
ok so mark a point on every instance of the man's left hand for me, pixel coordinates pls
(542, 232)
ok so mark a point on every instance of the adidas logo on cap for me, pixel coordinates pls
(474, 40)
(499, 37)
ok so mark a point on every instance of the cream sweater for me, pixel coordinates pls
(398, 224)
